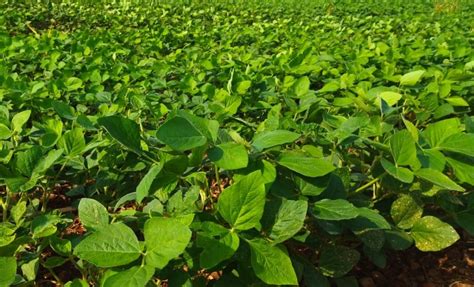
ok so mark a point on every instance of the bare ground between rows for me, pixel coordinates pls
(453, 267)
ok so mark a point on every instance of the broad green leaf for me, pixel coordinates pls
(109, 246)
(401, 173)
(242, 204)
(124, 130)
(180, 134)
(403, 148)
(26, 161)
(438, 179)
(64, 110)
(463, 169)
(301, 86)
(465, 220)
(305, 165)
(334, 209)
(48, 161)
(137, 276)
(7, 270)
(412, 78)
(208, 128)
(398, 240)
(30, 269)
(72, 142)
(437, 132)
(93, 214)
(433, 159)
(367, 220)
(432, 234)
(44, 225)
(73, 83)
(143, 188)
(5, 132)
(17, 212)
(336, 261)
(272, 264)
(218, 244)
(405, 211)
(242, 87)
(229, 156)
(391, 98)
(7, 234)
(459, 143)
(267, 139)
(19, 120)
(165, 239)
(61, 246)
(287, 218)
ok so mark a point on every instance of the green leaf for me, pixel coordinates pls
(367, 220)
(412, 78)
(165, 239)
(438, 179)
(405, 211)
(271, 263)
(137, 276)
(124, 130)
(242, 204)
(180, 134)
(48, 161)
(398, 240)
(143, 188)
(5, 132)
(465, 220)
(218, 244)
(243, 86)
(8, 270)
(61, 246)
(208, 128)
(437, 132)
(73, 142)
(403, 148)
(334, 209)
(109, 246)
(73, 83)
(301, 86)
(267, 139)
(432, 234)
(77, 283)
(19, 120)
(459, 143)
(287, 218)
(44, 225)
(305, 165)
(229, 156)
(93, 214)
(64, 110)
(463, 169)
(411, 128)
(401, 173)
(7, 234)
(336, 261)
(391, 98)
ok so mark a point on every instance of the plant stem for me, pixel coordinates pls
(369, 183)
(5, 206)
(218, 180)
(56, 277)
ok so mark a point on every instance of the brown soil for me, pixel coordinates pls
(453, 267)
